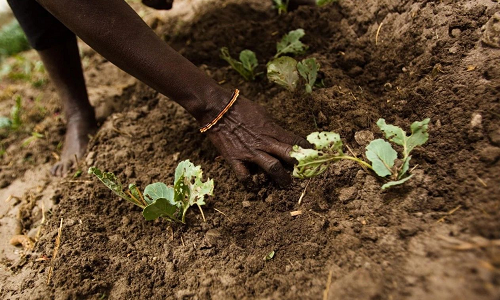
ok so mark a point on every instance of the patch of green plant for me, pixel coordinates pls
(161, 201)
(283, 71)
(12, 39)
(15, 121)
(308, 69)
(245, 66)
(23, 69)
(384, 159)
(324, 2)
(34, 136)
(281, 6)
(291, 44)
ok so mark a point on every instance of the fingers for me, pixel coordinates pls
(291, 139)
(240, 169)
(273, 167)
(282, 151)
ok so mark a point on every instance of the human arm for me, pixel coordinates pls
(244, 134)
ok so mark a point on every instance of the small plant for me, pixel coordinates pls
(12, 39)
(161, 201)
(283, 71)
(308, 69)
(24, 69)
(291, 44)
(328, 149)
(14, 122)
(324, 2)
(246, 66)
(281, 6)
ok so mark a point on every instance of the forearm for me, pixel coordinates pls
(115, 31)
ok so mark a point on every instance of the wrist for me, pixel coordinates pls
(210, 103)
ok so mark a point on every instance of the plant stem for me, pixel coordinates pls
(359, 161)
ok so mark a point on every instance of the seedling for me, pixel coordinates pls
(12, 39)
(308, 69)
(328, 149)
(34, 136)
(283, 71)
(159, 200)
(324, 2)
(291, 44)
(281, 6)
(14, 122)
(15, 114)
(246, 66)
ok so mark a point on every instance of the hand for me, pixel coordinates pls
(247, 134)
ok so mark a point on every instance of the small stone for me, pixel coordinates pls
(246, 204)
(489, 154)
(89, 160)
(347, 194)
(407, 230)
(491, 34)
(476, 120)
(363, 137)
(455, 32)
(495, 137)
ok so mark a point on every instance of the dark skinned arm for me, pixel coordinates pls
(244, 134)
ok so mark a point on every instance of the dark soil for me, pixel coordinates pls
(399, 60)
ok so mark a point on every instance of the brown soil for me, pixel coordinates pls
(352, 241)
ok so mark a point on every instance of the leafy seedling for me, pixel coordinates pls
(398, 136)
(308, 69)
(291, 44)
(160, 200)
(328, 149)
(281, 6)
(14, 122)
(246, 66)
(324, 2)
(283, 71)
(15, 114)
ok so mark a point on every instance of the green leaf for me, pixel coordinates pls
(160, 207)
(290, 43)
(419, 134)
(281, 6)
(392, 133)
(311, 162)
(158, 190)
(189, 189)
(283, 71)
(245, 67)
(324, 2)
(249, 60)
(382, 156)
(308, 69)
(325, 140)
(269, 256)
(113, 183)
(397, 135)
(5, 122)
(393, 183)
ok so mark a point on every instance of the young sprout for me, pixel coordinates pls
(328, 149)
(160, 200)
(245, 66)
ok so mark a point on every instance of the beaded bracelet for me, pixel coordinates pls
(219, 116)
